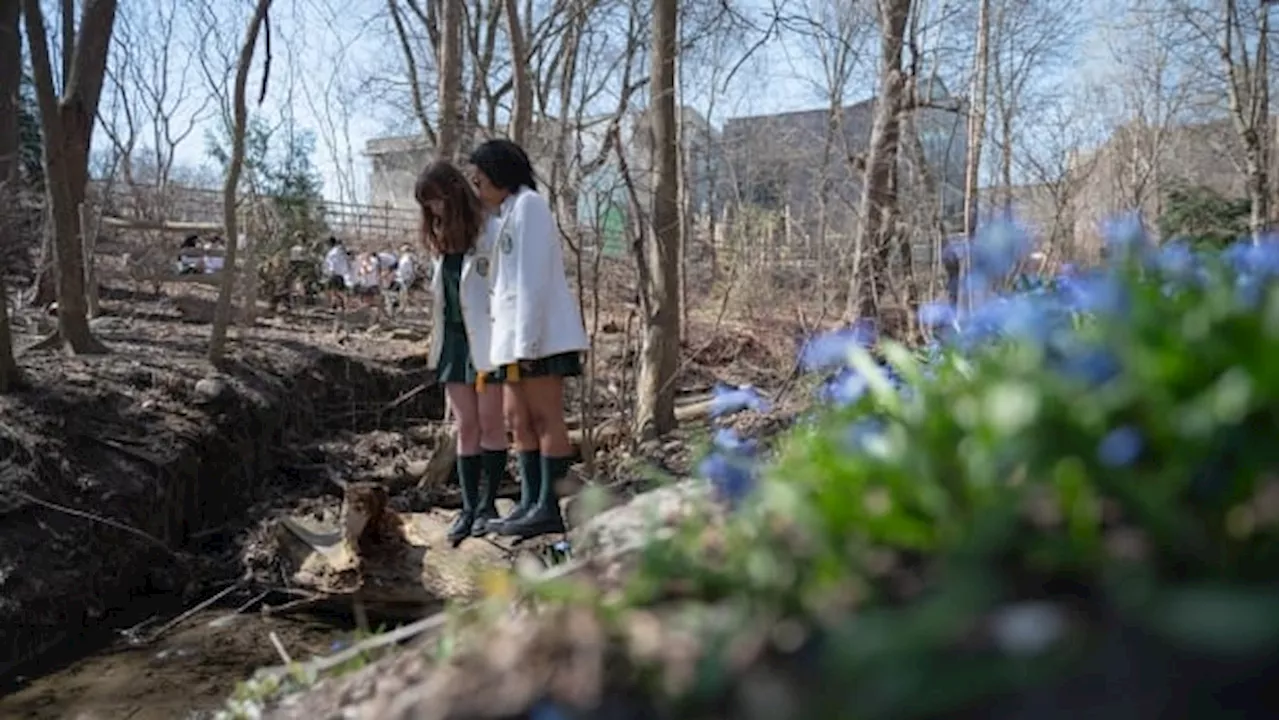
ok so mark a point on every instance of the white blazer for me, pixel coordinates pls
(534, 313)
(474, 294)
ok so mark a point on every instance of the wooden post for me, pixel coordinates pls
(88, 235)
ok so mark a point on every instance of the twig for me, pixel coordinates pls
(184, 616)
(256, 599)
(95, 518)
(319, 665)
(293, 605)
(406, 397)
(284, 654)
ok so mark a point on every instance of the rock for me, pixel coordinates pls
(210, 389)
(416, 468)
(386, 472)
(629, 525)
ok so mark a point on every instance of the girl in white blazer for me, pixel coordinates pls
(537, 336)
(454, 233)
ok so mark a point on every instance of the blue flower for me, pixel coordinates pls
(863, 434)
(728, 440)
(999, 247)
(727, 400)
(1120, 447)
(1125, 237)
(732, 477)
(831, 349)
(731, 466)
(845, 387)
(1094, 293)
(934, 314)
(547, 710)
(1089, 364)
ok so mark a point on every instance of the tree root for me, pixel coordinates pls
(55, 341)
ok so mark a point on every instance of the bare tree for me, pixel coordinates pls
(660, 292)
(10, 80)
(67, 123)
(450, 64)
(231, 184)
(151, 105)
(879, 200)
(1028, 39)
(1238, 37)
(522, 109)
(977, 115)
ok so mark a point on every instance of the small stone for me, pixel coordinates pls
(416, 468)
(210, 389)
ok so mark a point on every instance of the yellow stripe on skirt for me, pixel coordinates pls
(511, 372)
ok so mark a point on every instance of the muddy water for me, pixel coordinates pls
(185, 673)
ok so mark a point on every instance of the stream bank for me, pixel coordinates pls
(127, 480)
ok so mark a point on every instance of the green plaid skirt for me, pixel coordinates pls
(568, 364)
(455, 364)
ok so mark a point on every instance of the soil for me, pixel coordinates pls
(132, 484)
(126, 478)
(191, 669)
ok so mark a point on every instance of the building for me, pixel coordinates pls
(1139, 164)
(600, 197)
(782, 161)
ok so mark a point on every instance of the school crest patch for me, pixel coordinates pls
(506, 243)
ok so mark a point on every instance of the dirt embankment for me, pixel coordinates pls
(126, 478)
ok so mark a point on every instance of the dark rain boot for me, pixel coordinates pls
(544, 518)
(530, 462)
(493, 465)
(469, 467)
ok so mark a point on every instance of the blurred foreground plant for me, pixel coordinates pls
(1075, 459)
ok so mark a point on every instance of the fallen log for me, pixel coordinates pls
(393, 563)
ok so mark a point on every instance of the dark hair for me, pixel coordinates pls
(334, 241)
(459, 228)
(505, 164)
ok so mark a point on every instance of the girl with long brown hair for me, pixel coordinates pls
(453, 222)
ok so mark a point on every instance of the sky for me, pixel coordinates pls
(331, 57)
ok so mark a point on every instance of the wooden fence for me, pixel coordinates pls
(364, 228)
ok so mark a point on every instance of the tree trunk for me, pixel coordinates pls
(10, 79)
(977, 118)
(450, 87)
(655, 411)
(522, 107)
(879, 202)
(67, 124)
(231, 183)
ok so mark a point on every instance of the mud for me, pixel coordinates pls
(127, 479)
(188, 671)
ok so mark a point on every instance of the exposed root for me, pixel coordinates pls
(95, 518)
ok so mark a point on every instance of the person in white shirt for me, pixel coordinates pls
(337, 269)
(405, 271)
(537, 336)
(452, 231)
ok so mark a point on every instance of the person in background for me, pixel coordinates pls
(404, 277)
(537, 336)
(386, 267)
(189, 263)
(337, 268)
(452, 231)
(367, 278)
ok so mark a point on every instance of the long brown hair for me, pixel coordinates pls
(458, 227)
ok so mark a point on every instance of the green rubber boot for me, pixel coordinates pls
(493, 464)
(469, 470)
(544, 517)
